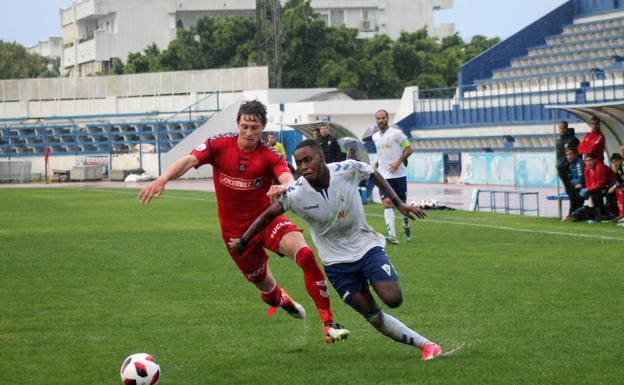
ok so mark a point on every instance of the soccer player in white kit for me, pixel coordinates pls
(327, 197)
(393, 149)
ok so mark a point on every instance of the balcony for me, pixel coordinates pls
(85, 9)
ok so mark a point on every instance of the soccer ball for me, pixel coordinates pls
(139, 369)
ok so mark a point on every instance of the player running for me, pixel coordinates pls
(327, 198)
(244, 170)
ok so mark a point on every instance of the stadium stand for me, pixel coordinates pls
(96, 134)
(568, 65)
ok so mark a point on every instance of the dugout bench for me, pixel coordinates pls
(559, 198)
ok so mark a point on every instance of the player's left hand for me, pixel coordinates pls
(394, 166)
(276, 190)
(412, 212)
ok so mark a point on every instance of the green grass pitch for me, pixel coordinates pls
(89, 276)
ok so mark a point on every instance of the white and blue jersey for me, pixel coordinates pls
(335, 215)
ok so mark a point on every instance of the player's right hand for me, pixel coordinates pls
(151, 191)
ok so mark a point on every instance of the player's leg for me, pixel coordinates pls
(378, 270)
(400, 187)
(274, 296)
(254, 266)
(389, 217)
(285, 238)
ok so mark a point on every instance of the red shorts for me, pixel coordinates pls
(253, 262)
(619, 195)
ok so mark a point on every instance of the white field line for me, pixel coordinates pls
(521, 230)
(454, 223)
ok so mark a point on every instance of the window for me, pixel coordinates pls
(337, 17)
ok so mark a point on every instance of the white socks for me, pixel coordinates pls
(395, 329)
(389, 217)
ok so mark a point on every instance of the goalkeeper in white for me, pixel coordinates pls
(327, 197)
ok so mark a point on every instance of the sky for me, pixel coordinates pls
(29, 21)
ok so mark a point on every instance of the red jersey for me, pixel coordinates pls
(598, 177)
(593, 141)
(241, 179)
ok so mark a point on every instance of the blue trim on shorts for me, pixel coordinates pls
(399, 185)
(352, 277)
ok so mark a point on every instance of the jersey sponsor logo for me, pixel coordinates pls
(239, 183)
(278, 227)
(316, 206)
(201, 147)
(388, 269)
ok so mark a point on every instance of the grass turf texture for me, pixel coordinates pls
(90, 276)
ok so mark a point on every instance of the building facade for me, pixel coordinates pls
(96, 31)
(51, 49)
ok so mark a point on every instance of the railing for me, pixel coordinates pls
(522, 101)
(102, 134)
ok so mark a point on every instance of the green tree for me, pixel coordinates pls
(477, 45)
(148, 61)
(303, 41)
(17, 63)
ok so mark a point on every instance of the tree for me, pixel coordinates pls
(314, 55)
(149, 61)
(304, 39)
(17, 63)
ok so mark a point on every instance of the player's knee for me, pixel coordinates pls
(393, 301)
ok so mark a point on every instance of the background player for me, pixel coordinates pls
(327, 198)
(393, 149)
(244, 169)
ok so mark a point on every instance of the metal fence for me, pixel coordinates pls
(521, 101)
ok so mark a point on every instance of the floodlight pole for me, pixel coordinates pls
(277, 37)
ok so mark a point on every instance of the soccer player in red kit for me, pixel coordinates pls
(244, 169)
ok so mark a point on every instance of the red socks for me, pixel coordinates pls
(315, 282)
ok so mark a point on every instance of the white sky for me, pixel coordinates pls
(28, 21)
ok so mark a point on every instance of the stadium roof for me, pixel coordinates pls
(611, 114)
(337, 130)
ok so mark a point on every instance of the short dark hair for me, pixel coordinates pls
(384, 111)
(591, 155)
(310, 143)
(253, 108)
(571, 149)
(615, 156)
(565, 123)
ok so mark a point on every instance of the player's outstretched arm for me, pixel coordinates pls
(176, 170)
(238, 244)
(407, 210)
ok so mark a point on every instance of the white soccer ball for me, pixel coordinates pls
(139, 369)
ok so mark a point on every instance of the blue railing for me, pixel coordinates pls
(491, 104)
(101, 134)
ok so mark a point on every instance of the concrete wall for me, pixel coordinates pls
(164, 91)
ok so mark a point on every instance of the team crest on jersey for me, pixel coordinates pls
(201, 147)
(341, 197)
